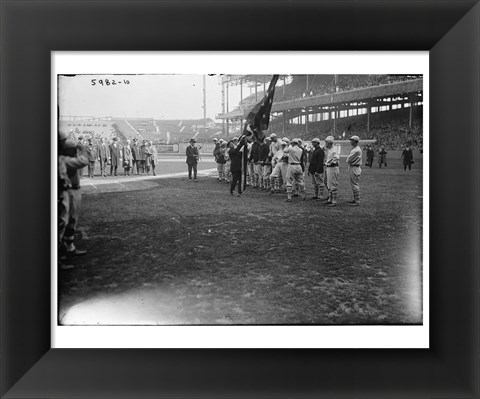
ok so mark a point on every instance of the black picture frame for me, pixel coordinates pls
(30, 30)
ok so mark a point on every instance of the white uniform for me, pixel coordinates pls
(279, 171)
(295, 174)
(354, 162)
(332, 171)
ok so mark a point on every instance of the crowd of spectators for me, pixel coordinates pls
(390, 129)
(351, 82)
(90, 128)
(319, 85)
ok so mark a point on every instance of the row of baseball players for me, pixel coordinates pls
(281, 162)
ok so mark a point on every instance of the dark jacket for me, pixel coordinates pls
(135, 152)
(192, 155)
(220, 158)
(216, 151)
(115, 154)
(316, 162)
(370, 154)
(103, 152)
(407, 156)
(264, 150)
(303, 159)
(254, 153)
(142, 153)
(91, 153)
(236, 158)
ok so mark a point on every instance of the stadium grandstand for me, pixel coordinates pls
(158, 131)
(89, 127)
(385, 108)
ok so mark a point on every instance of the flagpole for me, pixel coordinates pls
(245, 155)
(258, 119)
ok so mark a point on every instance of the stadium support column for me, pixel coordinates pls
(410, 118)
(369, 111)
(306, 120)
(227, 110)
(284, 121)
(284, 90)
(334, 119)
(223, 106)
(227, 100)
(204, 102)
(241, 90)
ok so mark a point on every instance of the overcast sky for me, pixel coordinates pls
(147, 96)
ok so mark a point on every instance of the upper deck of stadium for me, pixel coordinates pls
(312, 93)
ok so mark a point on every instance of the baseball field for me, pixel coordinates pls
(166, 250)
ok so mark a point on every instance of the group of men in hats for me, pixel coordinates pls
(131, 156)
(277, 161)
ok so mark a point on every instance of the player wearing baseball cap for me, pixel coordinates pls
(266, 164)
(354, 161)
(277, 169)
(332, 171)
(294, 172)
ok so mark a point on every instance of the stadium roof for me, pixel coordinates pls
(393, 89)
(248, 80)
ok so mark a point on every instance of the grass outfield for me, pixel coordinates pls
(170, 251)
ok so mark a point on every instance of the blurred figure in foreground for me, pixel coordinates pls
(72, 157)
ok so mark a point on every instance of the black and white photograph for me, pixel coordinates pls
(262, 199)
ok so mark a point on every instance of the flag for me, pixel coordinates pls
(257, 121)
(258, 118)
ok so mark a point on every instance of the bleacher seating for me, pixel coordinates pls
(390, 129)
(323, 84)
(95, 129)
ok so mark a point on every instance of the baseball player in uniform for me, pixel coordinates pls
(295, 176)
(257, 165)
(277, 169)
(249, 165)
(275, 145)
(283, 177)
(296, 189)
(332, 171)
(266, 164)
(354, 161)
(220, 158)
(228, 174)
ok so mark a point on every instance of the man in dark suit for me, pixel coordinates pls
(370, 155)
(135, 156)
(407, 156)
(143, 156)
(103, 154)
(80, 142)
(235, 155)
(115, 156)
(92, 156)
(315, 169)
(192, 160)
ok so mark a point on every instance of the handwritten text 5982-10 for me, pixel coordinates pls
(109, 82)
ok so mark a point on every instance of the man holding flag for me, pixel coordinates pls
(258, 120)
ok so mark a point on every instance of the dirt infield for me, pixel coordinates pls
(171, 251)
